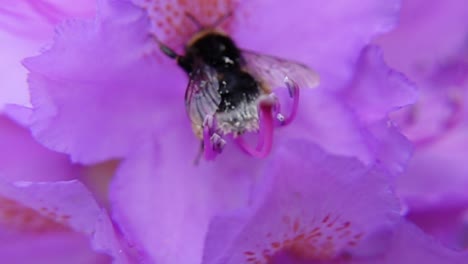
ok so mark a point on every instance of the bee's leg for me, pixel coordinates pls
(265, 137)
(196, 161)
(293, 90)
(269, 107)
(164, 48)
(213, 142)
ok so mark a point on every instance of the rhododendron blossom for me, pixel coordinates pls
(127, 151)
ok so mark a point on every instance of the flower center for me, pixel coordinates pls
(176, 21)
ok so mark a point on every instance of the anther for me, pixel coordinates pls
(213, 143)
(293, 90)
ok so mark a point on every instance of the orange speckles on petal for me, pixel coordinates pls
(326, 218)
(65, 218)
(299, 238)
(317, 240)
(275, 245)
(296, 225)
(22, 218)
(316, 234)
(343, 227)
(358, 236)
(315, 230)
(345, 234)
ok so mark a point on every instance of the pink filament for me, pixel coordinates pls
(265, 142)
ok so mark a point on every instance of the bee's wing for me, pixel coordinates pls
(202, 97)
(272, 71)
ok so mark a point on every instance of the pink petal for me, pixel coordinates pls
(163, 202)
(97, 111)
(29, 161)
(326, 35)
(410, 245)
(376, 90)
(315, 206)
(66, 206)
(51, 248)
(437, 173)
(428, 33)
(27, 26)
(447, 224)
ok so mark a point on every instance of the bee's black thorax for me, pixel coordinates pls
(218, 51)
(213, 49)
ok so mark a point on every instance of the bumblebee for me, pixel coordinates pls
(227, 84)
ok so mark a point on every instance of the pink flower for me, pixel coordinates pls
(103, 90)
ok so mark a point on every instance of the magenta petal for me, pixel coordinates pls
(326, 35)
(324, 118)
(391, 149)
(428, 33)
(163, 202)
(447, 224)
(354, 122)
(25, 27)
(59, 206)
(98, 90)
(27, 160)
(410, 245)
(376, 90)
(51, 248)
(314, 206)
(328, 121)
(436, 174)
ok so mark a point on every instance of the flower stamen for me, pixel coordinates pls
(270, 114)
(265, 141)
